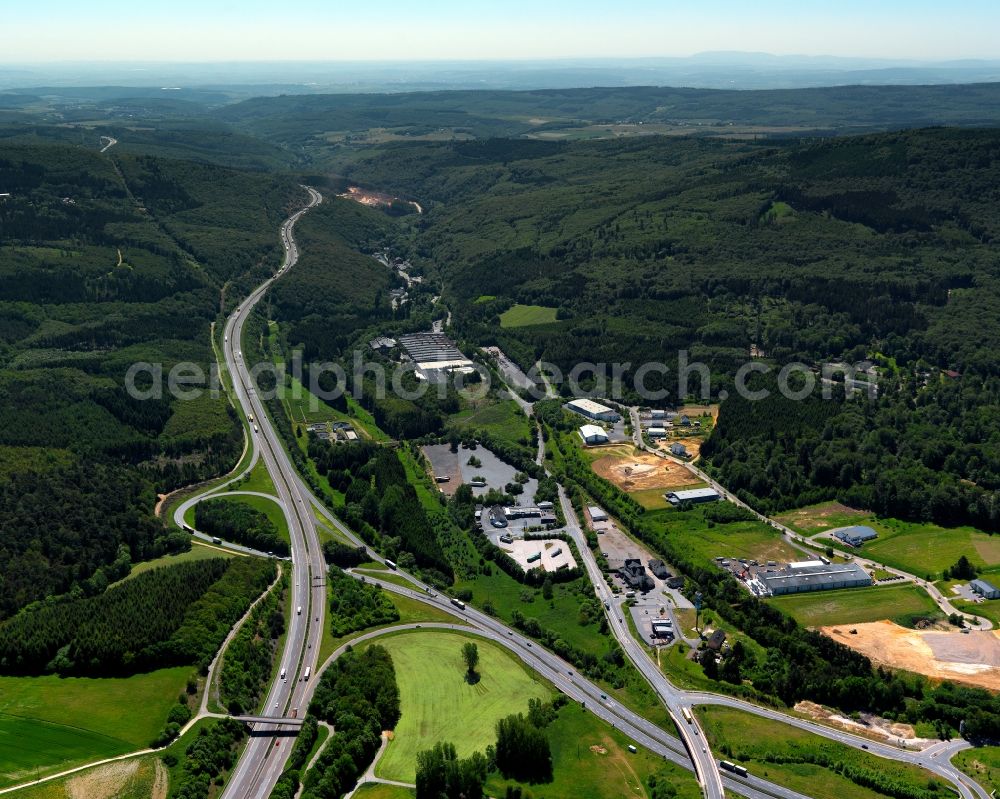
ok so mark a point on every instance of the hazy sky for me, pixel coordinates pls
(210, 30)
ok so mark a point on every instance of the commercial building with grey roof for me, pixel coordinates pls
(796, 579)
(857, 535)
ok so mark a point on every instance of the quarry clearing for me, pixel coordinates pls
(972, 658)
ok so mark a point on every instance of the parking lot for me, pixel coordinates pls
(455, 465)
(554, 554)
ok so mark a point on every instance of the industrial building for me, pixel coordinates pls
(435, 353)
(857, 535)
(592, 410)
(984, 589)
(592, 434)
(656, 432)
(596, 514)
(813, 575)
(694, 495)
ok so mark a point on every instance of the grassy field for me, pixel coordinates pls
(653, 498)
(258, 480)
(135, 778)
(824, 516)
(920, 548)
(375, 790)
(983, 764)
(410, 611)
(503, 419)
(590, 760)
(559, 614)
(526, 315)
(695, 534)
(197, 552)
(926, 549)
(988, 610)
(857, 605)
(439, 705)
(49, 723)
(754, 742)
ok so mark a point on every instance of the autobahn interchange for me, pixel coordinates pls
(262, 761)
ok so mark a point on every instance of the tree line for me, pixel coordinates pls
(917, 453)
(249, 658)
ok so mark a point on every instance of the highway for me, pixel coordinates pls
(263, 758)
(694, 739)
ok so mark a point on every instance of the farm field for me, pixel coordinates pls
(527, 315)
(590, 760)
(48, 723)
(136, 778)
(439, 705)
(756, 742)
(898, 603)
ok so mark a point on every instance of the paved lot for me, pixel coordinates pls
(444, 463)
(510, 370)
(456, 466)
(965, 592)
(555, 553)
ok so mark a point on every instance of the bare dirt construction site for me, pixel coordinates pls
(640, 471)
(972, 658)
(867, 724)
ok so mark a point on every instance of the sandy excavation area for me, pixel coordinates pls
(637, 471)
(972, 658)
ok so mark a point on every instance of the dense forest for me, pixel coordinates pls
(381, 504)
(358, 695)
(355, 605)
(111, 260)
(920, 452)
(248, 660)
(236, 521)
(166, 616)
